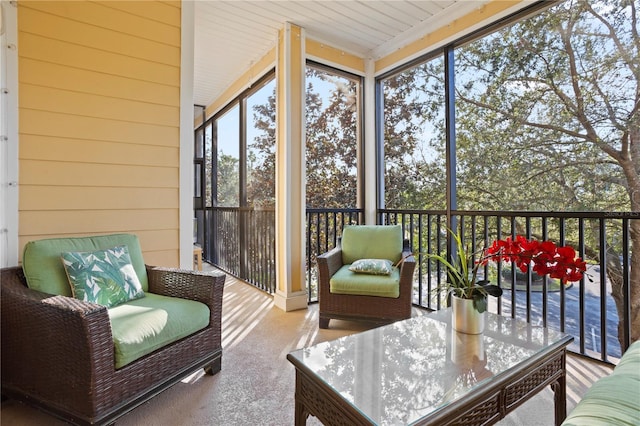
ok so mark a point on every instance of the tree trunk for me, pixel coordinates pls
(614, 272)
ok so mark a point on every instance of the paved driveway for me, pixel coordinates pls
(592, 313)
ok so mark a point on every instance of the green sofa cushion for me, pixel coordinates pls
(141, 326)
(630, 363)
(371, 242)
(45, 272)
(612, 400)
(347, 282)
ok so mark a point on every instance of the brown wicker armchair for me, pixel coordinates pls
(58, 353)
(358, 307)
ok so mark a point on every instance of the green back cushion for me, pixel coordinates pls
(141, 326)
(347, 282)
(45, 272)
(371, 242)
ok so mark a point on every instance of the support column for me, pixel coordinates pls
(186, 134)
(291, 291)
(370, 146)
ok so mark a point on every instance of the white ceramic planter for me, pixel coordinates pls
(465, 318)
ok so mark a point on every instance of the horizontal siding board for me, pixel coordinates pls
(36, 147)
(165, 258)
(61, 77)
(85, 58)
(97, 106)
(34, 172)
(96, 221)
(99, 16)
(160, 12)
(46, 123)
(159, 239)
(36, 22)
(44, 198)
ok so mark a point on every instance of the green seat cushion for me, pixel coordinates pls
(371, 242)
(347, 282)
(141, 326)
(45, 272)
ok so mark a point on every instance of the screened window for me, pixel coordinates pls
(208, 160)
(414, 137)
(237, 226)
(541, 106)
(228, 158)
(332, 138)
(261, 146)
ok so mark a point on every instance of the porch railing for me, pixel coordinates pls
(242, 242)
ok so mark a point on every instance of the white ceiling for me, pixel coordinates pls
(231, 35)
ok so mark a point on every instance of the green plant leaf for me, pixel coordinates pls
(480, 303)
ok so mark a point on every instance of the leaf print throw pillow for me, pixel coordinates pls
(372, 266)
(105, 277)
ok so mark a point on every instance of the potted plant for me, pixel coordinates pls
(469, 295)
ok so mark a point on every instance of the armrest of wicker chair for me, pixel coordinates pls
(329, 263)
(202, 287)
(407, 267)
(51, 338)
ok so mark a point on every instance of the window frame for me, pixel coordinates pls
(360, 160)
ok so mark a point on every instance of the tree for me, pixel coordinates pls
(228, 181)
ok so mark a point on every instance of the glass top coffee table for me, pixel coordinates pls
(421, 371)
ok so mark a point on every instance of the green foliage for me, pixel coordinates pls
(228, 181)
(550, 102)
(261, 154)
(331, 144)
(414, 135)
(462, 274)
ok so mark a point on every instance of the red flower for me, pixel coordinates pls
(558, 262)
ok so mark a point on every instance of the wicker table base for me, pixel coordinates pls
(328, 395)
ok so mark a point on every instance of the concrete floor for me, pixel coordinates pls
(256, 385)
